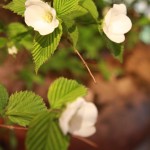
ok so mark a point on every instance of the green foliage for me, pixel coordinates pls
(44, 134)
(23, 106)
(73, 31)
(73, 65)
(19, 35)
(44, 46)
(26, 40)
(3, 99)
(26, 108)
(15, 34)
(78, 12)
(104, 69)
(2, 27)
(3, 42)
(30, 78)
(90, 42)
(90, 6)
(63, 91)
(15, 28)
(117, 50)
(17, 6)
(65, 7)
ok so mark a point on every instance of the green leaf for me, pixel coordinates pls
(44, 134)
(17, 6)
(91, 7)
(117, 50)
(3, 99)
(73, 31)
(23, 107)
(26, 40)
(3, 42)
(78, 12)
(15, 29)
(65, 7)
(44, 46)
(2, 27)
(63, 91)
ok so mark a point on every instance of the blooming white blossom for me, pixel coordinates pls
(12, 50)
(41, 16)
(79, 118)
(117, 23)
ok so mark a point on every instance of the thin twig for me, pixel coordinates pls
(13, 127)
(86, 141)
(87, 67)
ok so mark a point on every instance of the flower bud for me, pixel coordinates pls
(117, 23)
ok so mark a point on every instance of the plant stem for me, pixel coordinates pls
(12, 127)
(87, 67)
(25, 129)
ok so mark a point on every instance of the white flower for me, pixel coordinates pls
(40, 16)
(117, 23)
(79, 118)
(12, 50)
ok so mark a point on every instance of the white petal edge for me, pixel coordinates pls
(120, 8)
(108, 17)
(68, 114)
(85, 116)
(43, 28)
(84, 132)
(120, 24)
(114, 37)
(32, 14)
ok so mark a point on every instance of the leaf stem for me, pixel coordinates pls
(85, 64)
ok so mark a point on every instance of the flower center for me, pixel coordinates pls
(48, 17)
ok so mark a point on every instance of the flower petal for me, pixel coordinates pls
(33, 14)
(68, 114)
(37, 3)
(84, 118)
(43, 28)
(84, 132)
(120, 8)
(118, 38)
(40, 16)
(117, 9)
(116, 23)
(120, 24)
(108, 17)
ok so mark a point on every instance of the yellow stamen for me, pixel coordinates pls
(48, 17)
